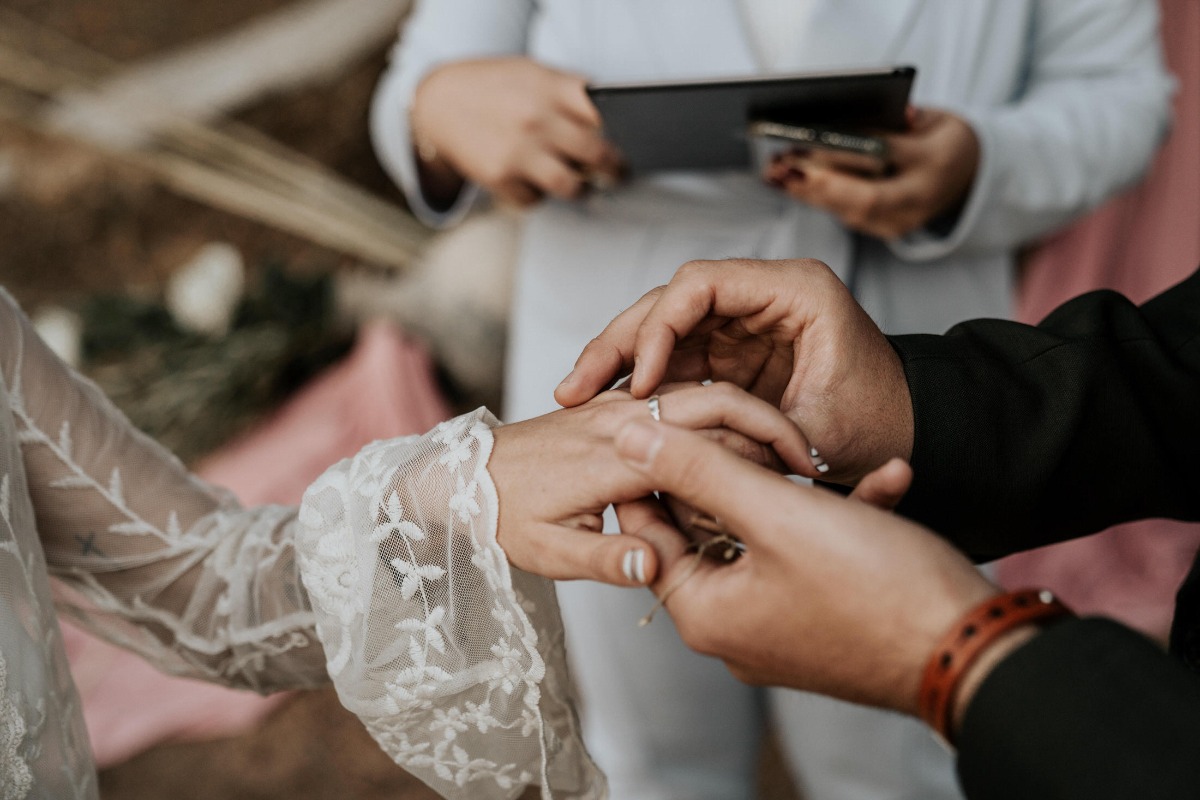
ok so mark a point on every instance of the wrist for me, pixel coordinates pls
(973, 646)
(441, 182)
(975, 675)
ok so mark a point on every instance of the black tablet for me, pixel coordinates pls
(702, 125)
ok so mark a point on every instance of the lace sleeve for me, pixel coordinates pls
(145, 554)
(453, 659)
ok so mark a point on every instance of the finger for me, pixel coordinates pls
(582, 145)
(723, 405)
(699, 289)
(607, 356)
(647, 520)
(708, 477)
(885, 486)
(907, 149)
(862, 204)
(844, 160)
(572, 98)
(552, 175)
(562, 553)
(517, 193)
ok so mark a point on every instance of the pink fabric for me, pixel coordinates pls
(384, 388)
(1138, 244)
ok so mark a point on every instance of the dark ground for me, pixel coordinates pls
(74, 223)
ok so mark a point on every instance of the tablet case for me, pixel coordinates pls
(702, 125)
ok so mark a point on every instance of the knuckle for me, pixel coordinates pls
(689, 470)
(596, 346)
(692, 270)
(724, 391)
(529, 119)
(594, 151)
(603, 563)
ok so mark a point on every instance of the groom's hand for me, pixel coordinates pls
(831, 595)
(787, 331)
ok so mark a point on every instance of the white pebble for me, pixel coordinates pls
(204, 294)
(62, 331)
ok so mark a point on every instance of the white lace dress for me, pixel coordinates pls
(388, 579)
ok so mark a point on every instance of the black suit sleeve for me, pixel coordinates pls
(1087, 709)
(1030, 435)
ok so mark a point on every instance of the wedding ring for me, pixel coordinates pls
(655, 414)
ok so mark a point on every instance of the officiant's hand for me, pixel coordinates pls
(787, 331)
(517, 128)
(557, 473)
(831, 595)
(931, 167)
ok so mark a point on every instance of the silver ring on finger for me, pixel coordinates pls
(655, 409)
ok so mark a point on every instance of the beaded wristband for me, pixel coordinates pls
(968, 639)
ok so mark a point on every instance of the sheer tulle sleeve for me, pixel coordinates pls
(453, 660)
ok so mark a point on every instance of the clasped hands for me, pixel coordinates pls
(832, 595)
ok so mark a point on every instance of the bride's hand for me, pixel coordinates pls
(557, 473)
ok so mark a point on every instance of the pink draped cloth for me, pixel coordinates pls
(1139, 244)
(384, 388)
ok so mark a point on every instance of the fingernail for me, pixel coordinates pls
(639, 442)
(812, 451)
(567, 381)
(634, 566)
(817, 461)
(822, 468)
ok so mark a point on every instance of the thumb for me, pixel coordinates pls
(884, 487)
(563, 553)
(703, 474)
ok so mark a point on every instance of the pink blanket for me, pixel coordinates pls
(1139, 244)
(384, 388)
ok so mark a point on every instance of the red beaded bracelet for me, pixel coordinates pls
(968, 639)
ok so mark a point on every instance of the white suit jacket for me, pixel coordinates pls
(1069, 99)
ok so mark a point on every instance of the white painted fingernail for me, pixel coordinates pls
(822, 468)
(812, 451)
(634, 566)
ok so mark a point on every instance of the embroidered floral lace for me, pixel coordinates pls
(452, 659)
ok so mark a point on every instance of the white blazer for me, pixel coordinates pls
(1069, 99)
